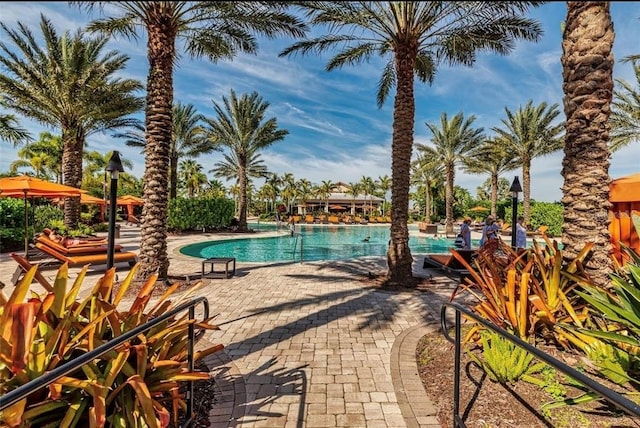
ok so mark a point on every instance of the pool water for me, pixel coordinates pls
(330, 242)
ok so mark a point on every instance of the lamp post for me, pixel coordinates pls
(114, 167)
(515, 189)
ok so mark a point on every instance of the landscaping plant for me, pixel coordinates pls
(136, 384)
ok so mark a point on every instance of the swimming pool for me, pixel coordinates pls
(330, 242)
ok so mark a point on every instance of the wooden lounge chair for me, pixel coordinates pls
(309, 219)
(449, 264)
(333, 219)
(87, 258)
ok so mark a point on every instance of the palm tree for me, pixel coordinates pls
(11, 131)
(368, 188)
(215, 188)
(323, 191)
(70, 85)
(530, 133)
(354, 190)
(625, 112)
(384, 185)
(191, 176)
(43, 156)
(587, 62)
(416, 37)
(214, 30)
(491, 158)
(452, 143)
(304, 192)
(428, 173)
(241, 127)
(187, 140)
(96, 163)
(289, 193)
(274, 181)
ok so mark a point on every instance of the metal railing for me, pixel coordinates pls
(46, 379)
(611, 396)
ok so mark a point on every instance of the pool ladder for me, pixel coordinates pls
(298, 237)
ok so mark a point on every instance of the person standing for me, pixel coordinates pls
(465, 231)
(489, 231)
(521, 233)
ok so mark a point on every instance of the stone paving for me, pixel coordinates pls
(309, 344)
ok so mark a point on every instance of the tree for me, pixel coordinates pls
(587, 62)
(304, 192)
(530, 133)
(384, 185)
(214, 30)
(354, 190)
(415, 37)
(43, 156)
(625, 112)
(95, 165)
(241, 127)
(70, 85)
(427, 173)
(451, 144)
(485, 190)
(191, 176)
(323, 191)
(492, 158)
(187, 140)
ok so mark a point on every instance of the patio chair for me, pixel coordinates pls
(309, 219)
(83, 258)
(448, 264)
(80, 249)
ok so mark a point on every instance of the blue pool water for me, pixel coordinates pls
(329, 242)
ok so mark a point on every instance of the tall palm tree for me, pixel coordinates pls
(416, 37)
(187, 140)
(492, 158)
(69, 83)
(289, 193)
(384, 185)
(215, 188)
(368, 187)
(43, 156)
(587, 62)
(191, 176)
(323, 191)
(304, 192)
(428, 173)
(274, 181)
(452, 143)
(241, 127)
(625, 112)
(95, 165)
(354, 189)
(530, 133)
(214, 30)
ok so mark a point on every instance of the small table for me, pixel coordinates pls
(229, 267)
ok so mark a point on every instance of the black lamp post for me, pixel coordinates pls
(114, 167)
(515, 189)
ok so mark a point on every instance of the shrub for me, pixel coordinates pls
(46, 215)
(199, 213)
(542, 213)
(12, 223)
(136, 384)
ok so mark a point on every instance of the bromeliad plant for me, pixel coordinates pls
(136, 384)
(526, 292)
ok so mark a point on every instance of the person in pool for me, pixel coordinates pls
(366, 239)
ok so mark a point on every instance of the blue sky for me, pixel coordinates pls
(336, 131)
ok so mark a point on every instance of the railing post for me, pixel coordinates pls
(456, 379)
(192, 316)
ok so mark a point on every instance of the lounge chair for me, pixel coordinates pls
(80, 249)
(333, 219)
(87, 258)
(542, 230)
(309, 219)
(449, 264)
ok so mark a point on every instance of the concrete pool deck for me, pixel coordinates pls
(309, 344)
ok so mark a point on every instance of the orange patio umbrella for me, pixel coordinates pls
(130, 201)
(25, 186)
(625, 189)
(478, 208)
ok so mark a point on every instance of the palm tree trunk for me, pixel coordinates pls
(448, 195)
(526, 189)
(399, 258)
(587, 62)
(153, 256)
(242, 197)
(72, 169)
(173, 168)
(494, 195)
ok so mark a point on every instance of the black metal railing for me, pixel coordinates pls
(611, 396)
(23, 391)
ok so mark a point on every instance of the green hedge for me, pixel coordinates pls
(542, 213)
(199, 213)
(12, 224)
